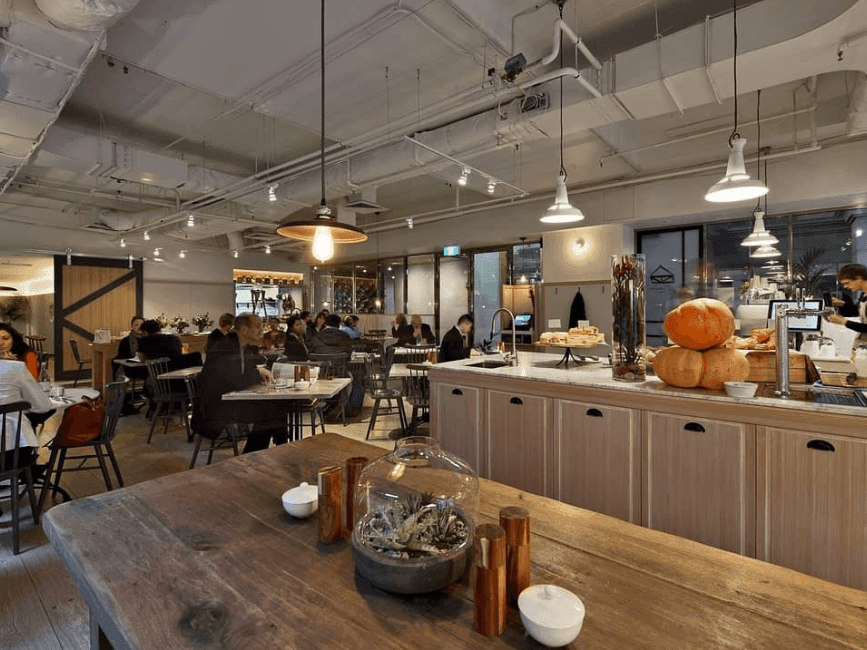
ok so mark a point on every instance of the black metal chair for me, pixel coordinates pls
(63, 452)
(77, 356)
(219, 437)
(13, 465)
(165, 397)
(376, 385)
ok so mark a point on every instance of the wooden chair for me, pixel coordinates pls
(376, 385)
(77, 356)
(99, 447)
(165, 397)
(35, 341)
(12, 415)
(219, 437)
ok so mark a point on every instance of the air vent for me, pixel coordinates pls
(536, 102)
(363, 204)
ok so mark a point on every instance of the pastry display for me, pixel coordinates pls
(578, 337)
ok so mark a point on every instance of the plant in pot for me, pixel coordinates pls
(807, 273)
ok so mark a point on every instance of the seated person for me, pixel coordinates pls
(229, 367)
(128, 347)
(274, 338)
(331, 339)
(13, 347)
(16, 385)
(295, 349)
(315, 325)
(458, 341)
(401, 330)
(154, 345)
(350, 326)
(225, 324)
(421, 332)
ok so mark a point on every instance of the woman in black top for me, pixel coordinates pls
(402, 330)
(295, 349)
(314, 327)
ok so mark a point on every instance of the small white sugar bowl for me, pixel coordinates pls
(551, 615)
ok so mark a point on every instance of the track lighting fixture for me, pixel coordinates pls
(157, 251)
(146, 236)
(123, 243)
(191, 220)
(409, 223)
(492, 186)
(68, 257)
(465, 175)
(267, 249)
(182, 254)
(235, 253)
(272, 192)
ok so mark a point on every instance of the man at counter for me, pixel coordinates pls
(854, 278)
(458, 341)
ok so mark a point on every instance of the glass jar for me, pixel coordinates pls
(627, 288)
(415, 511)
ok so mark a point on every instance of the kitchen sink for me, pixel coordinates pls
(488, 363)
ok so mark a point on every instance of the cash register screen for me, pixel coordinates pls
(522, 321)
(797, 323)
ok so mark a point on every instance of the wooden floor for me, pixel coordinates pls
(40, 608)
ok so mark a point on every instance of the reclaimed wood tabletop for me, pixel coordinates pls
(209, 559)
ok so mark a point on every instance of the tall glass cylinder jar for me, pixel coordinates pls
(627, 289)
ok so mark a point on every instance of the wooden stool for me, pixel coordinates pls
(35, 342)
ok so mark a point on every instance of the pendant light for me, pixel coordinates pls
(324, 231)
(766, 251)
(562, 211)
(760, 236)
(737, 184)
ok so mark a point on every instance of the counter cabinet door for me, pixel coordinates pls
(699, 481)
(519, 441)
(456, 420)
(813, 505)
(597, 458)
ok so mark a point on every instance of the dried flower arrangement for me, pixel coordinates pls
(203, 321)
(179, 324)
(627, 283)
(162, 321)
(417, 526)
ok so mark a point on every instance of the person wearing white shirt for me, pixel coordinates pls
(16, 385)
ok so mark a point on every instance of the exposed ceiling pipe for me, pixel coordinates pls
(563, 72)
(857, 121)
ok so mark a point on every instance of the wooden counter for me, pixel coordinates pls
(783, 481)
(103, 353)
(208, 559)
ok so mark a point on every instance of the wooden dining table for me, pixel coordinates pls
(209, 559)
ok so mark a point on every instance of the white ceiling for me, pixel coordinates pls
(200, 94)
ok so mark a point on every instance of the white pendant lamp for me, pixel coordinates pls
(760, 236)
(562, 211)
(766, 251)
(324, 230)
(737, 184)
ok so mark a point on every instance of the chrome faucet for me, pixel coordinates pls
(510, 358)
(781, 328)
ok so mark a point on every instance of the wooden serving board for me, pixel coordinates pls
(763, 366)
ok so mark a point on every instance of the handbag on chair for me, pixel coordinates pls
(81, 424)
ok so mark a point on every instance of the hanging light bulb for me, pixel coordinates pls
(766, 251)
(123, 243)
(146, 236)
(562, 211)
(272, 192)
(191, 220)
(323, 244)
(737, 184)
(465, 174)
(492, 186)
(267, 249)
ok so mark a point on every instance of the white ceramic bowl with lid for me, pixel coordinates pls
(740, 388)
(551, 615)
(301, 501)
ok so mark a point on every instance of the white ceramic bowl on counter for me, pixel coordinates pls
(551, 615)
(741, 388)
(301, 501)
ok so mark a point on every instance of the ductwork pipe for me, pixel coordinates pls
(563, 72)
(85, 15)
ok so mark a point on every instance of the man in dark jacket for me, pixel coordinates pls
(458, 341)
(154, 345)
(331, 339)
(224, 329)
(231, 366)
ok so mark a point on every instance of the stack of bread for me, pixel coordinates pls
(578, 337)
(701, 329)
(759, 339)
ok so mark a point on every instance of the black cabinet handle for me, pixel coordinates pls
(457, 391)
(693, 426)
(820, 445)
(516, 400)
(594, 413)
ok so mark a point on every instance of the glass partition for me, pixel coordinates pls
(393, 282)
(454, 292)
(420, 298)
(490, 273)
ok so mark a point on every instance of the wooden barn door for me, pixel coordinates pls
(91, 293)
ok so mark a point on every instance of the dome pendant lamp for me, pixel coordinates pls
(737, 184)
(562, 211)
(760, 236)
(324, 231)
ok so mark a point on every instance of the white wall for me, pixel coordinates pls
(583, 254)
(420, 290)
(453, 293)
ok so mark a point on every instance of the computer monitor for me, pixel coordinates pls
(798, 323)
(523, 321)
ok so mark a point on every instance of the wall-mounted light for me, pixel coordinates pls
(465, 175)
(579, 246)
(182, 254)
(272, 192)
(267, 249)
(123, 243)
(492, 186)
(146, 236)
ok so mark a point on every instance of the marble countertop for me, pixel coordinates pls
(536, 366)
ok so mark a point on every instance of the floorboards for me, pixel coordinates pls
(40, 607)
